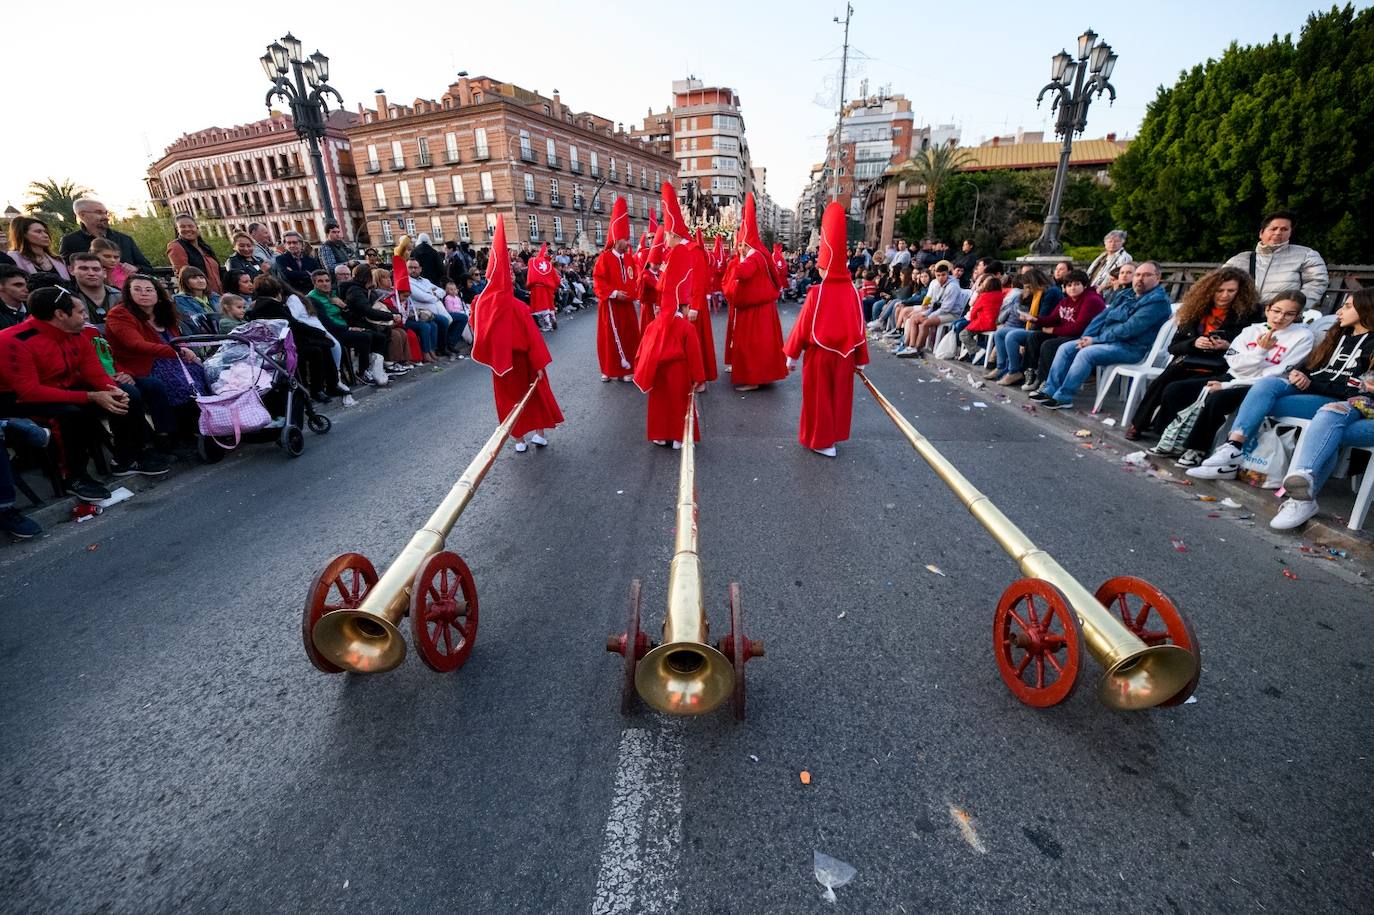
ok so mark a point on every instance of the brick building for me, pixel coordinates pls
(488, 150)
(258, 172)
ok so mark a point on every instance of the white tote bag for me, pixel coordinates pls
(1269, 458)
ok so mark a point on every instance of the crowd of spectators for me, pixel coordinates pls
(94, 378)
(1242, 346)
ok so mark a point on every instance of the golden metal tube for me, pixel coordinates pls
(1136, 675)
(367, 640)
(684, 675)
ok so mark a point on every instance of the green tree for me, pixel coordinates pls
(52, 200)
(150, 231)
(1278, 125)
(933, 167)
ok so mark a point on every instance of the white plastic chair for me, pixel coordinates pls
(1364, 495)
(1137, 375)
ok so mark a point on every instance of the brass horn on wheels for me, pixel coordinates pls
(685, 674)
(353, 624)
(1038, 644)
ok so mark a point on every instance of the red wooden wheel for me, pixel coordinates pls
(1154, 618)
(341, 586)
(739, 647)
(1037, 642)
(443, 612)
(632, 650)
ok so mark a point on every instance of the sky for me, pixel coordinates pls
(116, 91)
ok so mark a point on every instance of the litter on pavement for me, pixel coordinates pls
(936, 570)
(831, 873)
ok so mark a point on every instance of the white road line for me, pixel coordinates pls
(643, 837)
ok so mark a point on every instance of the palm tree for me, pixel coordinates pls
(932, 167)
(53, 200)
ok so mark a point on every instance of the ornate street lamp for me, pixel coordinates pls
(308, 97)
(1074, 83)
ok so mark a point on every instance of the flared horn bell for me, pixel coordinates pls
(361, 642)
(684, 678)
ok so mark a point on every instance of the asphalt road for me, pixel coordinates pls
(167, 748)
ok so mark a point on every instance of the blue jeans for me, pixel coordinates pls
(457, 324)
(427, 331)
(1332, 429)
(443, 322)
(1008, 341)
(1072, 366)
(1274, 397)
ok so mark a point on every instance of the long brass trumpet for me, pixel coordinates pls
(685, 675)
(1039, 646)
(352, 617)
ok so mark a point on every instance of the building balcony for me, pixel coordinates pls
(374, 167)
(613, 175)
(595, 171)
(404, 205)
(597, 206)
(575, 167)
(201, 184)
(398, 165)
(529, 155)
(555, 201)
(290, 171)
(298, 206)
(213, 212)
(424, 160)
(242, 179)
(558, 238)
(553, 160)
(579, 204)
(488, 196)
(644, 183)
(481, 153)
(531, 196)
(451, 157)
(454, 200)
(431, 201)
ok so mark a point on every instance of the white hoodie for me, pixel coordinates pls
(1249, 363)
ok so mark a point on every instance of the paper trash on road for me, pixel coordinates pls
(1109, 422)
(1135, 459)
(980, 405)
(1084, 433)
(936, 570)
(831, 873)
(1178, 545)
(805, 777)
(122, 494)
(1228, 502)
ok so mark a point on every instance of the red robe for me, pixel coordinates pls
(671, 367)
(506, 340)
(754, 338)
(542, 281)
(688, 257)
(827, 374)
(648, 298)
(617, 325)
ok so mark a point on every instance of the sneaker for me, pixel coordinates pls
(1031, 384)
(538, 440)
(521, 447)
(677, 446)
(1190, 458)
(18, 525)
(1224, 464)
(663, 442)
(87, 490)
(1039, 396)
(1166, 452)
(1052, 404)
(147, 465)
(348, 401)
(1293, 513)
(910, 352)
(828, 452)
(342, 388)
(1015, 378)
(1299, 485)
(605, 377)
(399, 370)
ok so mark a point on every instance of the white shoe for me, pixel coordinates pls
(605, 377)
(348, 401)
(628, 378)
(828, 452)
(677, 446)
(1223, 464)
(521, 447)
(660, 441)
(1298, 485)
(1293, 513)
(538, 440)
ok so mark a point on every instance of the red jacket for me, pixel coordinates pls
(982, 317)
(1071, 317)
(135, 343)
(42, 364)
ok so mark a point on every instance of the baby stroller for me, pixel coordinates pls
(256, 356)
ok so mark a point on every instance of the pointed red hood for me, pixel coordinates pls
(749, 226)
(653, 223)
(837, 321)
(830, 260)
(493, 312)
(672, 213)
(620, 223)
(541, 271)
(658, 249)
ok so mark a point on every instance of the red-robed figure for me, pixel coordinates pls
(670, 363)
(779, 265)
(755, 347)
(829, 338)
(542, 281)
(506, 340)
(690, 262)
(615, 279)
(649, 269)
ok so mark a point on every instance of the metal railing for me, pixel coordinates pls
(528, 155)
(242, 179)
(290, 171)
(488, 196)
(201, 184)
(424, 160)
(1177, 277)
(595, 171)
(555, 201)
(397, 165)
(454, 200)
(452, 157)
(374, 167)
(431, 201)
(482, 153)
(575, 167)
(553, 160)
